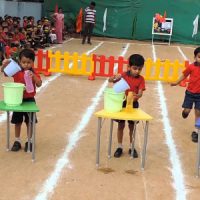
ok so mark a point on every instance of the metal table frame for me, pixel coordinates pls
(123, 115)
(198, 154)
(29, 107)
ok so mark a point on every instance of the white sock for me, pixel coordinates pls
(30, 139)
(18, 139)
(196, 130)
(120, 145)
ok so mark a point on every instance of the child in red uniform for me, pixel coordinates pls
(26, 61)
(192, 93)
(137, 86)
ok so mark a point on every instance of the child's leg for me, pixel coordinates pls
(29, 136)
(187, 104)
(18, 130)
(17, 144)
(185, 112)
(131, 128)
(120, 131)
(194, 133)
(197, 114)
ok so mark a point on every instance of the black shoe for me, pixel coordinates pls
(194, 137)
(90, 43)
(135, 154)
(83, 42)
(118, 152)
(26, 147)
(16, 146)
(185, 114)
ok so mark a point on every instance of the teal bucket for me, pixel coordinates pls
(13, 93)
(112, 100)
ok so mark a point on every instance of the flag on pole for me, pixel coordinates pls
(195, 24)
(104, 20)
(165, 14)
(79, 21)
(56, 8)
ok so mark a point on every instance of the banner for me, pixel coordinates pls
(79, 21)
(195, 24)
(104, 20)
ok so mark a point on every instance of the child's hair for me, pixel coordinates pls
(27, 53)
(93, 3)
(136, 60)
(196, 51)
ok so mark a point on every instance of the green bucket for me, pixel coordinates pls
(112, 100)
(13, 93)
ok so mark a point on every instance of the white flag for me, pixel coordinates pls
(195, 24)
(104, 20)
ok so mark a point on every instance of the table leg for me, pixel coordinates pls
(98, 140)
(110, 138)
(29, 131)
(145, 144)
(133, 139)
(198, 154)
(8, 131)
(33, 137)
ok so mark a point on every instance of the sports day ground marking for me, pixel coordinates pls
(177, 173)
(51, 182)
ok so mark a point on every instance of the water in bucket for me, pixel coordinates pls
(13, 93)
(121, 86)
(112, 100)
(12, 68)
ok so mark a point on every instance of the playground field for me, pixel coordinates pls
(66, 138)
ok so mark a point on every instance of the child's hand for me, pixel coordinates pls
(135, 96)
(117, 76)
(173, 84)
(29, 73)
(5, 62)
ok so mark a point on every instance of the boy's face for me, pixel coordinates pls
(92, 7)
(135, 70)
(26, 63)
(197, 58)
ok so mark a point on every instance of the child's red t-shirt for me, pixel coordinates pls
(135, 83)
(194, 80)
(19, 78)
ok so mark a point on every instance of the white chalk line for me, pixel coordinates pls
(51, 182)
(135, 43)
(176, 170)
(181, 52)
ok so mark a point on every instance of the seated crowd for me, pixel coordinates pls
(26, 33)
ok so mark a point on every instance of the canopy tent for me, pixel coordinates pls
(132, 19)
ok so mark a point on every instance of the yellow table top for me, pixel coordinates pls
(136, 114)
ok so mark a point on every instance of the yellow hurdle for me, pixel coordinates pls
(166, 71)
(74, 64)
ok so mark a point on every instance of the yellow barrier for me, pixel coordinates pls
(71, 64)
(76, 64)
(162, 70)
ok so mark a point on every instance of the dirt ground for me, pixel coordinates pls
(66, 139)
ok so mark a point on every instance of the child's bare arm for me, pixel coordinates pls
(37, 80)
(138, 95)
(114, 78)
(181, 78)
(4, 64)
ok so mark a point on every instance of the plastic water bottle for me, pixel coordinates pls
(28, 81)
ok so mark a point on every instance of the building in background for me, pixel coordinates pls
(21, 8)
